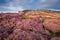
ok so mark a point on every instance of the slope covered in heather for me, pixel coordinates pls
(30, 25)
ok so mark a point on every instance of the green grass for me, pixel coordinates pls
(25, 17)
(55, 34)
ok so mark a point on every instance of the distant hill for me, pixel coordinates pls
(41, 13)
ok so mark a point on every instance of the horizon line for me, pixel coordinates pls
(23, 10)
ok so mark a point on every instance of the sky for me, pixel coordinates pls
(19, 5)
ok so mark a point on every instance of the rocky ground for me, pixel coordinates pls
(30, 25)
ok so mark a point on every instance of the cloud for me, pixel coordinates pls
(37, 4)
(11, 8)
(16, 5)
(42, 1)
(23, 2)
(15, 8)
(48, 3)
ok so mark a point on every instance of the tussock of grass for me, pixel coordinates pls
(25, 17)
(55, 34)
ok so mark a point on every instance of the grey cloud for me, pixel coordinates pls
(31, 4)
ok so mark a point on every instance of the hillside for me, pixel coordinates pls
(41, 13)
(30, 25)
